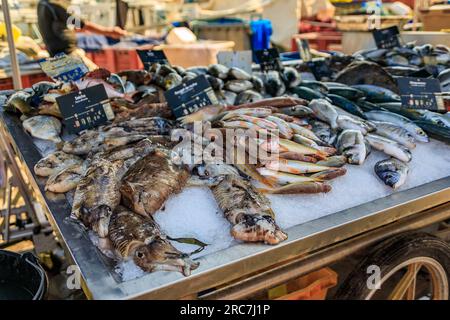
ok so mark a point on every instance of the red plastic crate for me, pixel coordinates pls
(6, 84)
(29, 80)
(127, 60)
(105, 59)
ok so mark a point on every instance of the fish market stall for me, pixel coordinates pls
(359, 204)
(353, 167)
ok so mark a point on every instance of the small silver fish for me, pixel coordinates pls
(389, 147)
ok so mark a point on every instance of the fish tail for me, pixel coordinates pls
(269, 181)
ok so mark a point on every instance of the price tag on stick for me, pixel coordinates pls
(421, 93)
(85, 109)
(190, 96)
(64, 68)
(269, 59)
(387, 38)
(149, 57)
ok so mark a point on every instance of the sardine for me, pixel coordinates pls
(389, 147)
(283, 178)
(248, 211)
(346, 122)
(400, 121)
(297, 111)
(395, 133)
(295, 167)
(392, 172)
(325, 111)
(255, 112)
(299, 188)
(351, 144)
(140, 239)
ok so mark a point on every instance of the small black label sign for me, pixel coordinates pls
(85, 109)
(191, 96)
(421, 93)
(387, 38)
(269, 59)
(149, 57)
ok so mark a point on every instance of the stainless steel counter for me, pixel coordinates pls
(101, 282)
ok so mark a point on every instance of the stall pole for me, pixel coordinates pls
(12, 49)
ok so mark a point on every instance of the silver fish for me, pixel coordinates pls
(401, 121)
(325, 111)
(392, 172)
(389, 147)
(351, 144)
(345, 122)
(396, 133)
(323, 131)
(43, 127)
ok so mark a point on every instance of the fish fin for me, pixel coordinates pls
(59, 145)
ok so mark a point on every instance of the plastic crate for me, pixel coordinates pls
(29, 80)
(201, 53)
(127, 60)
(105, 59)
(6, 84)
(313, 286)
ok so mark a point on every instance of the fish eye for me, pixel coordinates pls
(139, 254)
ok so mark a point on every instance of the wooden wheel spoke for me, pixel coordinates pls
(407, 284)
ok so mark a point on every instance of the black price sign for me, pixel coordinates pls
(421, 93)
(85, 109)
(387, 38)
(269, 59)
(149, 57)
(190, 96)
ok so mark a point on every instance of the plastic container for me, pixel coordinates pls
(21, 277)
(127, 59)
(202, 53)
(105, 59)
(313, 286)
(225, 30)
(29, 80)
(6, 83)
(436, 18)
